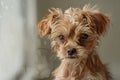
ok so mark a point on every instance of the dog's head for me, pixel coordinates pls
(74, 33)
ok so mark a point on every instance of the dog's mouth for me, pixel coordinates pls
(72, 56)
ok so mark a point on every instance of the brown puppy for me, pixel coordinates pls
(74, 35)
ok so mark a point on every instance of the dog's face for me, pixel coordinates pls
(75, 32)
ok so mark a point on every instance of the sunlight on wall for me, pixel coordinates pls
(20, 57)
(11, 52)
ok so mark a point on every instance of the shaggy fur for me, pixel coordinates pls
(65, 30)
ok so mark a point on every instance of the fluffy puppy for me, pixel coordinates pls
(74, 35)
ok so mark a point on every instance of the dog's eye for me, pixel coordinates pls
(83, 36)
(61, 37)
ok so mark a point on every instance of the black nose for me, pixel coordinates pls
(71, 51)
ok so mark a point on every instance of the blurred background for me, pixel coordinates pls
(25, 56)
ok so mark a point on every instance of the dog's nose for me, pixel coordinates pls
(71, 51)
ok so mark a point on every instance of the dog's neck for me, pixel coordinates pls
(70, 69)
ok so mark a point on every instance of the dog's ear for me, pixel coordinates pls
(96, 19)
(45, 25)
(101, 22)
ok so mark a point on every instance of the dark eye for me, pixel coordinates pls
(83, 36)
(61, 37)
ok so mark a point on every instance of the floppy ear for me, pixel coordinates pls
(45, 25)
(97, 20)
(101, 22)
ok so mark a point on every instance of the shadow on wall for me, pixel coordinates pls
(44, 43)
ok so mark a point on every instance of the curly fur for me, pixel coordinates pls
(71, 24)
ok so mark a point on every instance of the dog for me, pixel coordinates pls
(75, 35)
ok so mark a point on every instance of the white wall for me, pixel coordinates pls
(11, 39)
(20, 58)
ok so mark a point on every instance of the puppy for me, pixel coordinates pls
(74, 35)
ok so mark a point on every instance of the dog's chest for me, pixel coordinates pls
(72, 78)
(72, 73)
(69, 71)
